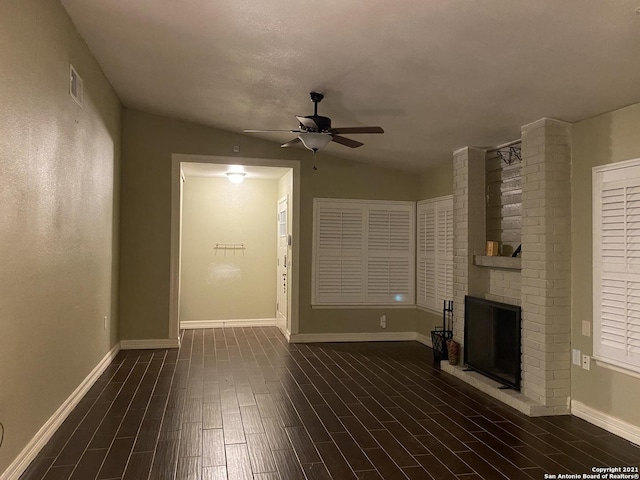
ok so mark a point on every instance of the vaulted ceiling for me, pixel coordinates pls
(437, 75)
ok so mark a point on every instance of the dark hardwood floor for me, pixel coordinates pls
(241, 403)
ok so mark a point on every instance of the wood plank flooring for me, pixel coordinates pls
(241, 403)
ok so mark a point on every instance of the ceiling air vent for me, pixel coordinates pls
(75, 85)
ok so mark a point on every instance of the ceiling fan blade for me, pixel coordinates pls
(291, 143)
(307, 122)
(357, 130)
(346, 141)
(272, 131)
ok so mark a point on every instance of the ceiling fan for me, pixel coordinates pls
(315, 131)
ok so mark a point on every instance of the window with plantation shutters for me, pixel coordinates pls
(434, 277)
(363, 252)
(616, 262)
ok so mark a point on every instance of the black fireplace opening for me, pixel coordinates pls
(492, 340)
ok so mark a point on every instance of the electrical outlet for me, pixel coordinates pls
(586, 328)
(586, 362)
(105, 322)
(383, 321)
(576, 358)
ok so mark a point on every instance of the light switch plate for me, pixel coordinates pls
(577, 358)
(586, 362)
(586, 328)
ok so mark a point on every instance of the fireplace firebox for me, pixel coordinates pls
(492, 340)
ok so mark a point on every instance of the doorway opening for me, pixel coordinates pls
(234, 243)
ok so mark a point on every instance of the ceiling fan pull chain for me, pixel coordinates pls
(314, 160)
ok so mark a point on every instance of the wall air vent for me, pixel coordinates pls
(75, 85)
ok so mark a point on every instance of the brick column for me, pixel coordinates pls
(468, 229)
(546, 264)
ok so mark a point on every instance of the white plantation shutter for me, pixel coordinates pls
(444, 252)
(390, 254)
(363, 252)
(388, 280)
(435, 252)
(339, 254)
(426, 257)
(616, 241)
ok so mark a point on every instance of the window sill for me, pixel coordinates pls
(361, 306)
(616, 367)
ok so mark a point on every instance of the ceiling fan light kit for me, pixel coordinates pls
(314, 141)
(315, 131)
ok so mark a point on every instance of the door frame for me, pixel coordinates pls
(284, 199)
(294, 215)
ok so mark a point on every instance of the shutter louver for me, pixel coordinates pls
(633, 226)
(633, 319)
(389, 231)
(613, 226)
(340, 230)
(613, 314)
(340, 278)
(388, 278)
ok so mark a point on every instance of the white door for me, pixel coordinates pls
(283, 264)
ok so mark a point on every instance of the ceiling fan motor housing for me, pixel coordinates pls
(323, 123)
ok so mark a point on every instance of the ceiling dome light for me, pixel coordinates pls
(314, 141)
(235, 177)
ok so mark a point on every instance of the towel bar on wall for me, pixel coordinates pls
(230, 246)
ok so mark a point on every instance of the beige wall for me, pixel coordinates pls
(435, 182)
(57, 207)
(426, 321)
(149, 141)
(601, 140)
(216, 283)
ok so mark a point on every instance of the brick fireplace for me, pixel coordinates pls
(539, 282)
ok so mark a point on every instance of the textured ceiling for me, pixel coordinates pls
(437, 75)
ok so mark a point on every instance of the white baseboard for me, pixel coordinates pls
(352, 337)
(424, 339)
(239, 322)
(287, 335)
(147, 344)
(40, 439)
(611, 424)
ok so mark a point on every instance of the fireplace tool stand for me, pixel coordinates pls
(440, 335)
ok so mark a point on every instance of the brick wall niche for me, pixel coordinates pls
(542, 286)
